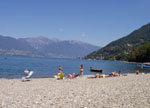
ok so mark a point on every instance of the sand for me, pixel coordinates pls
(131, 91)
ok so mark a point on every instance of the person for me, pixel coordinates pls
(71, 76)
(113, 74)
(137, 72)
(60, 75)
(119, 73)
(60, 70)
(29, 75)
(81, 70)
(97, 75)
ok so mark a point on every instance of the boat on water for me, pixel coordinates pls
(96, 70)
(145, 65)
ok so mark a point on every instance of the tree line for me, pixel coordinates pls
(140, 53)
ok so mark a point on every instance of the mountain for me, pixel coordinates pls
(57, 48)
(11, 46)
(44, 47)
(120, 48)
(10, 43)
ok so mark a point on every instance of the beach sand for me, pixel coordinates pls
(131, 91)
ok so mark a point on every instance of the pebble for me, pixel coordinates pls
(131, 91)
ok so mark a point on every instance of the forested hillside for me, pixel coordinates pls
(140, 54)
(122, 48)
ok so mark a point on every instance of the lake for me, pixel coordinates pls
(13, 66)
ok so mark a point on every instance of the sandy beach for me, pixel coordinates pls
(131, 91)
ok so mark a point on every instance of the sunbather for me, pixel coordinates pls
(71, 76)
(113, 74)
(99, 76)
(60, 75)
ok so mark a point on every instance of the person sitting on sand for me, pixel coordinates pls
(60, 69)
(29, 74)
(60, 75)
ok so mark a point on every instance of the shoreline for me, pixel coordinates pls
(127, 73)
(31, 78)
(53, 76)
(148, 63)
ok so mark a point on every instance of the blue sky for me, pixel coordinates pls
(97, 22)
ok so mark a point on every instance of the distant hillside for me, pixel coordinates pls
(44, 47)
(9, 43)
(120, 48)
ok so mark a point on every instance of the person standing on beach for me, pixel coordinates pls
(81, 69)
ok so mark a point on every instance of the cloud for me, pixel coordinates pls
(61, 29)
(83, 34)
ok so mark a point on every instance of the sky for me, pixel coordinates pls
(97, 22)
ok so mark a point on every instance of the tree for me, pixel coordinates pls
(140, 54)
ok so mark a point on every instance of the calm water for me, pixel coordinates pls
(13, 66)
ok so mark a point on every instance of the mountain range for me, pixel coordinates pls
(121, 48)
(44, 47)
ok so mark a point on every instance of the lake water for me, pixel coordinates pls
(13, 66)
